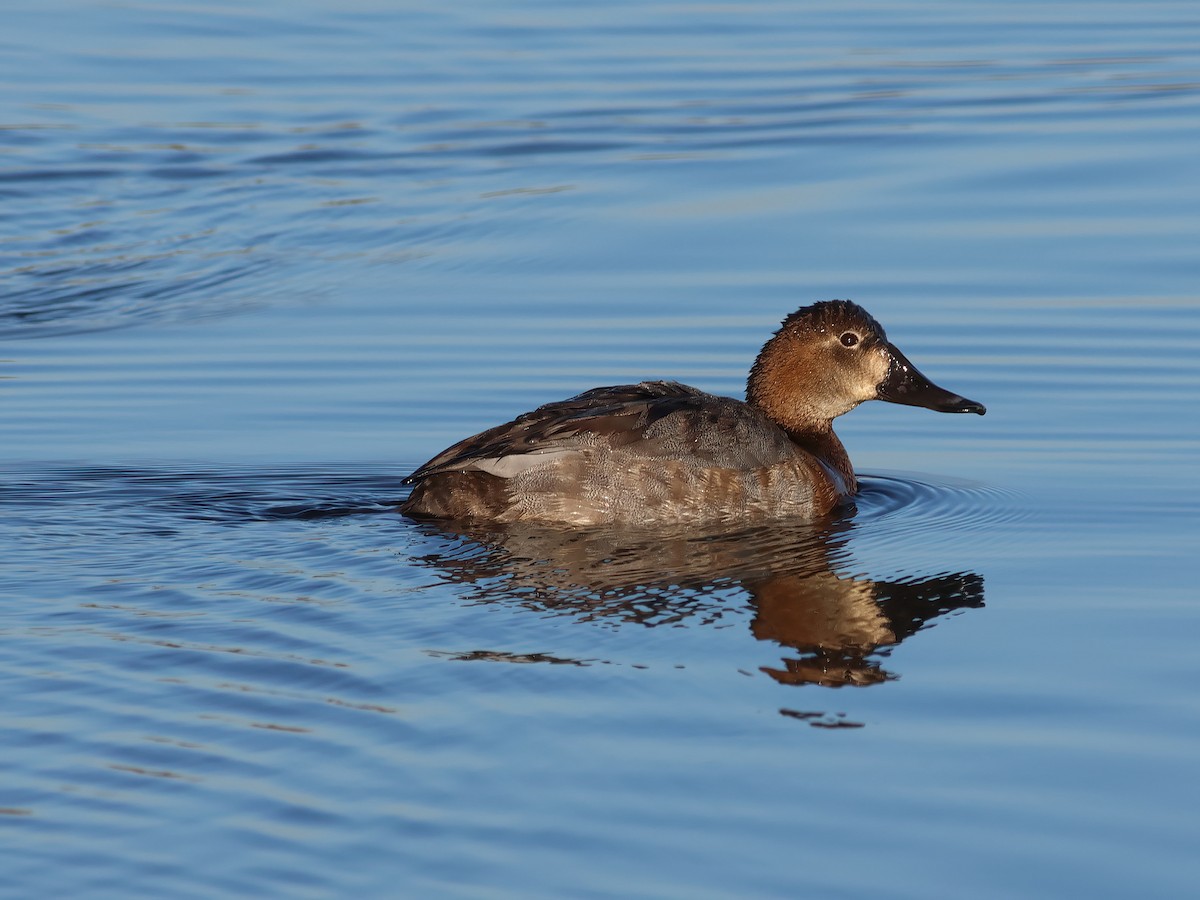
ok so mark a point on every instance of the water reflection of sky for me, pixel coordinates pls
(257, 263)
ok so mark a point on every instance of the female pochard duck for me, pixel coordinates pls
(661, 452)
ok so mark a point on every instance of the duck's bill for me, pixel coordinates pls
(905, 384)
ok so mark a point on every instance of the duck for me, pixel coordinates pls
(663, 453)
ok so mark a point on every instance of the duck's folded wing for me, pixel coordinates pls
(654, 418)
(619, 413)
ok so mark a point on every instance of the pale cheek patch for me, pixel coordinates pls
(881, 364)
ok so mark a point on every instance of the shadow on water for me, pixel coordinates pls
(837, 628)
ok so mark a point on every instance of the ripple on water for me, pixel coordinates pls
(181, 639)
(254, 680)
(924, 501)
(130, 211)
(910, 525)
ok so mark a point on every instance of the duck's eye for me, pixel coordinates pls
(849, 339)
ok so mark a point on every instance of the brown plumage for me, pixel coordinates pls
(662, 452)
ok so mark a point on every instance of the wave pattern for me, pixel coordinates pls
(221, 677)
(228, 177)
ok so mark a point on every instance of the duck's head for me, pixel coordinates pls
(828, 358)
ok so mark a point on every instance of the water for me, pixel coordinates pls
(261, 261)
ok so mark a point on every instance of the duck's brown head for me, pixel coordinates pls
(828, 358)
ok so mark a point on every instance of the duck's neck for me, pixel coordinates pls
(829, 451)
(780, 388)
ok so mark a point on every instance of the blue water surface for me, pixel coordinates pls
(259, 261)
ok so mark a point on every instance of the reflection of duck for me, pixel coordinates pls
(661, 452)
(838, 624)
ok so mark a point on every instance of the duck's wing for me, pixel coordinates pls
(654, 418)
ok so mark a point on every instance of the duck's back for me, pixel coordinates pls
(650, 453)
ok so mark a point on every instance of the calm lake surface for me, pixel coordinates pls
(262, 260)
